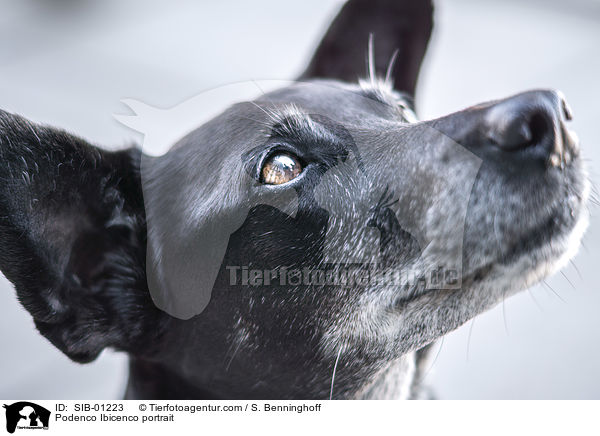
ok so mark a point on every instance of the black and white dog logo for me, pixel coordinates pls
(26, 415)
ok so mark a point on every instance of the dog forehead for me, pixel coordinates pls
(345, 103)
(246, 124)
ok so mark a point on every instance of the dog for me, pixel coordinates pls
(312, 243)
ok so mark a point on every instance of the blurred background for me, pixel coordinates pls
(69, 63)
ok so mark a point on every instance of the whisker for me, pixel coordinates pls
(263, 123)
(544, 282)
(585, 247)
(390, 68)
(469, 337)
(268, 114)
(237, 348)
(434, 360)
(576, 269)
(567, 279)
(371, 60)
(504, 313)
(334, 371)
(259, 87)
(594, 198)
(272, 103)
(535, 301)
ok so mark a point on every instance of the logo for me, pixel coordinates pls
(26, 415)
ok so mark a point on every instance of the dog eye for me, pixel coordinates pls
(280, 168)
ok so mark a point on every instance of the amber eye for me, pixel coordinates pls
(280, 168)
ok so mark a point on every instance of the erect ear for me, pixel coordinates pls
(72, 238)
(402, 25)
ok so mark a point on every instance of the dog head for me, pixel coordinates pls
(318, 227)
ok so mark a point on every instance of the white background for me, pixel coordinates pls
(69, 62)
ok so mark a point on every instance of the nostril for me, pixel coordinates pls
(515, 132)
(540, 127)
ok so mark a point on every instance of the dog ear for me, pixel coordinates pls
(402, 25)
(72, 238)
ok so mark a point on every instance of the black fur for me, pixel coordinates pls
(73, 239)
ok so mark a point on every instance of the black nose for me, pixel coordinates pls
(528, 128)
(531, 120)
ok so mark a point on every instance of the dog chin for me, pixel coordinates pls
(531, 267)
(552, 256)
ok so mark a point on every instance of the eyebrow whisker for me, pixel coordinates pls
(390, 68)
(371, 60)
